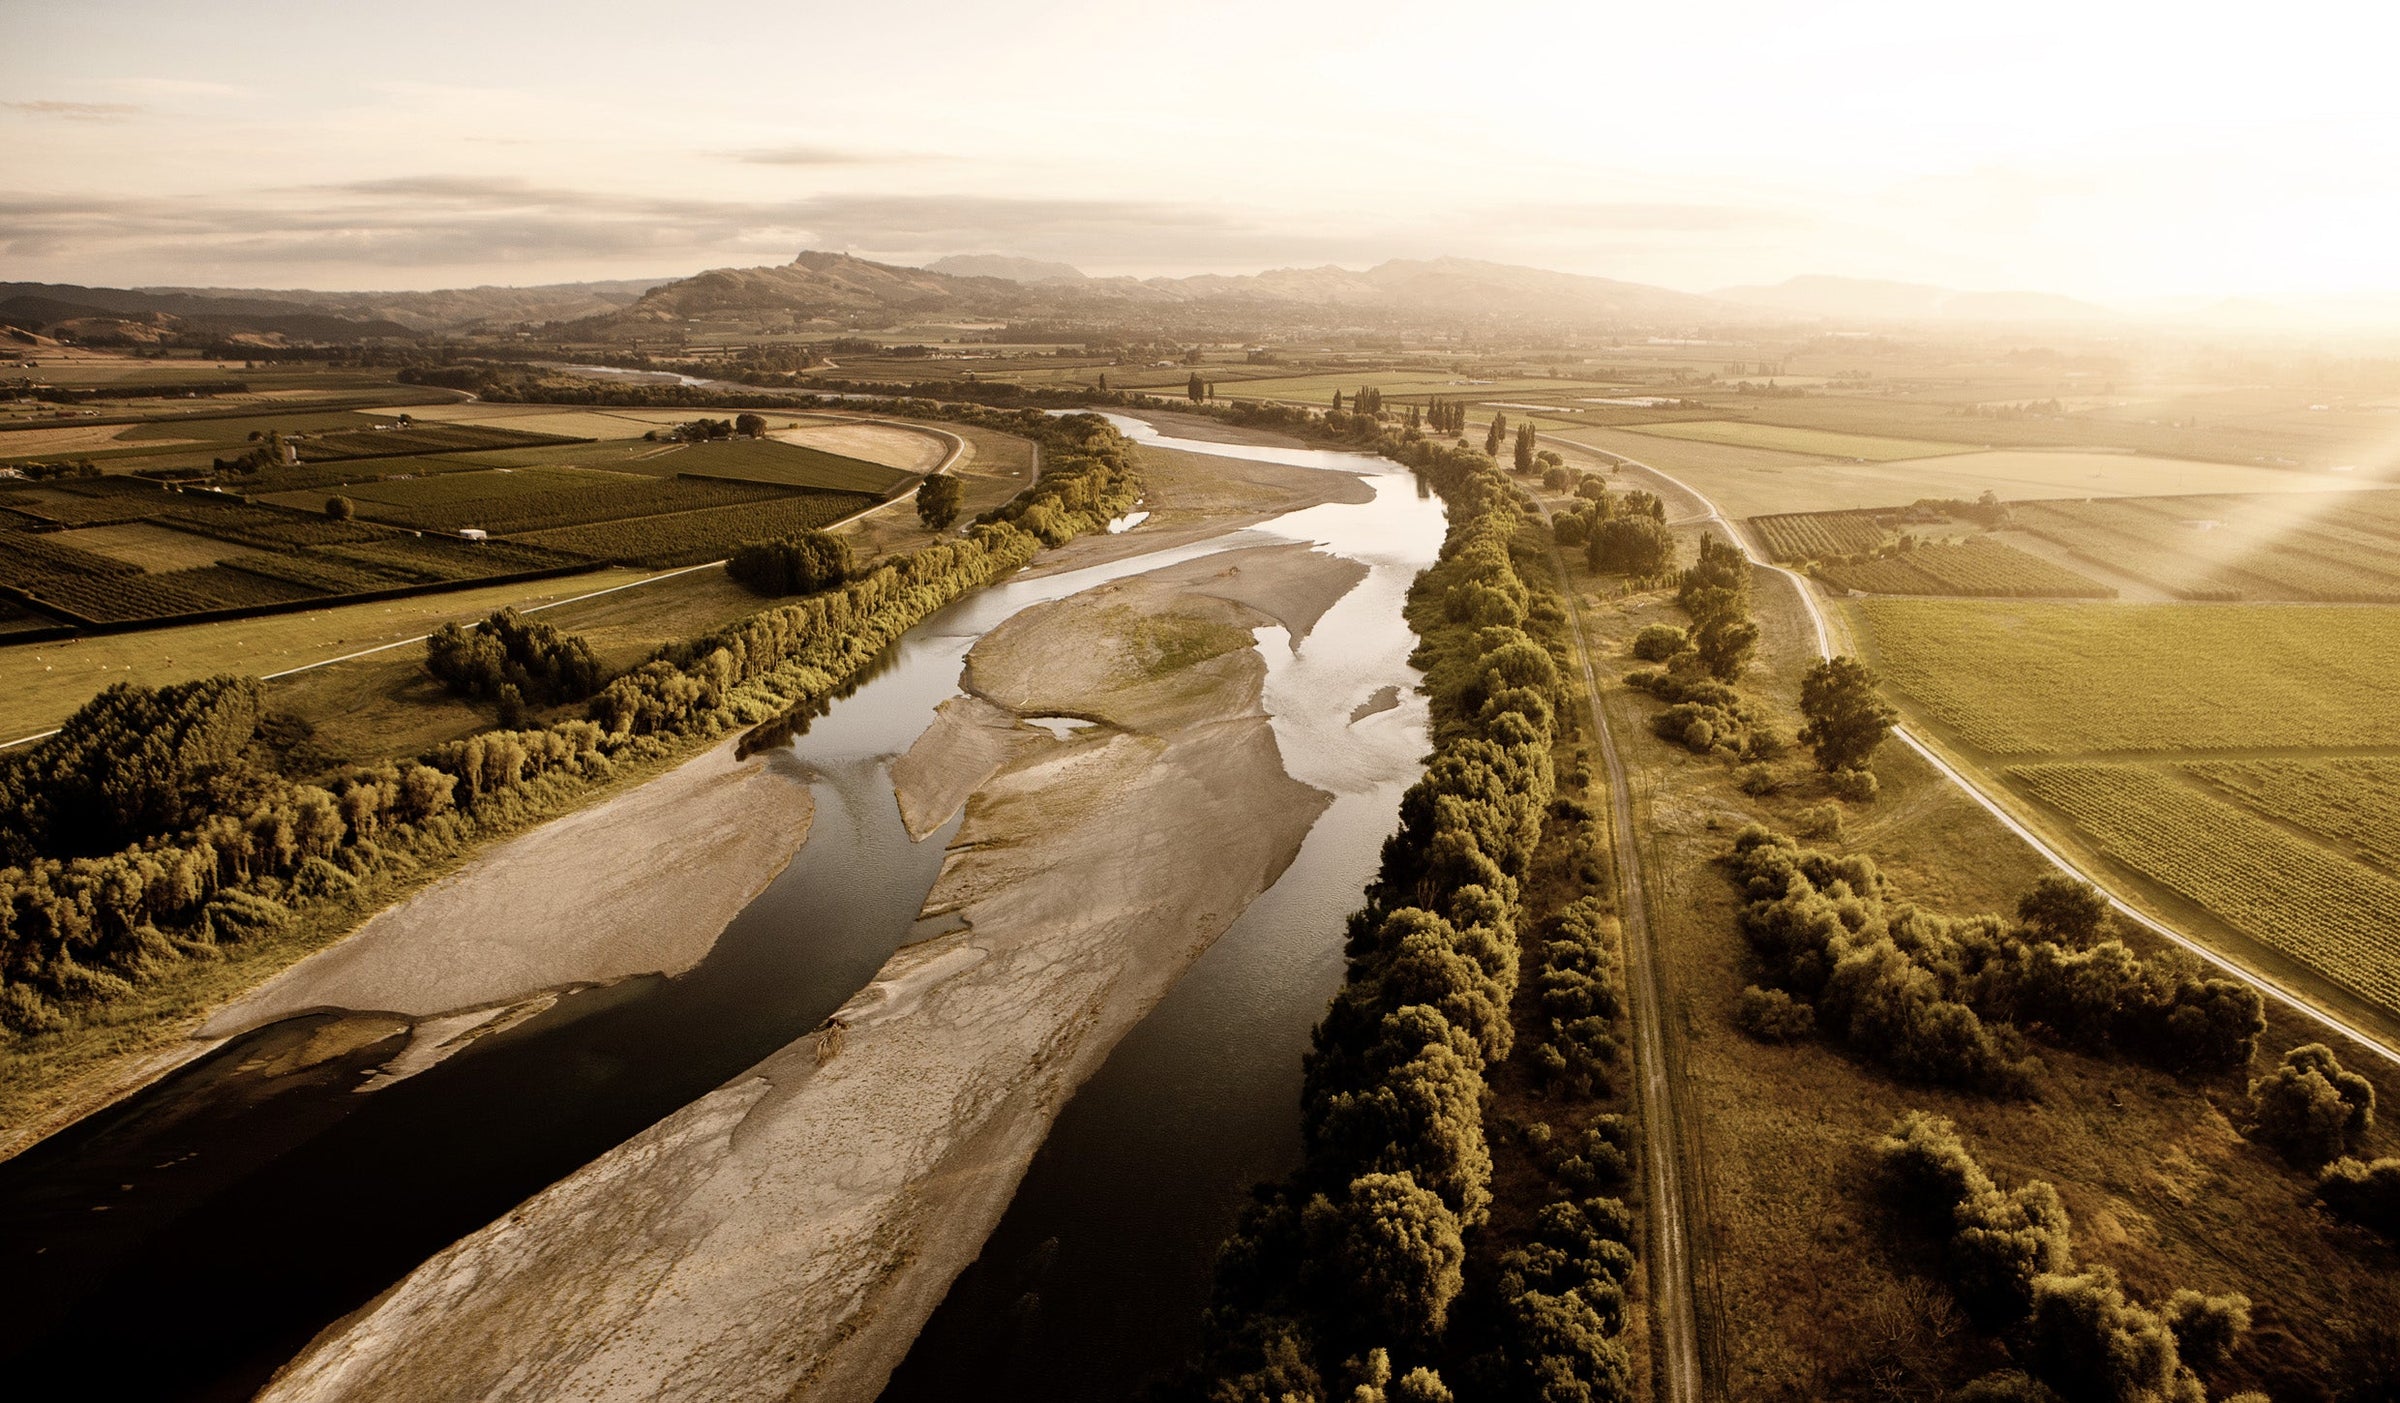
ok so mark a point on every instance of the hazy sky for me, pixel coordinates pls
(2098, 148)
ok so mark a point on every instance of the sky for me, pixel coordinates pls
(2121, 152)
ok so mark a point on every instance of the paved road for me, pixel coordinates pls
(1666, 1176)
(1806, 591)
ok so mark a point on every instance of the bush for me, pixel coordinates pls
(1758, 781)
(2006, 1386)
(1658, 642)
(340, 508)
(808, 563)
(1818, 821)
(1856, 786)
(2207, 1328)
(1771, 1015)
(2310, 1108)
(938, 501)
(2366, 1192)
(509, 650)
(2092, 1345)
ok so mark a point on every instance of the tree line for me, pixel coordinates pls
(1345, 1279)
(150, 830)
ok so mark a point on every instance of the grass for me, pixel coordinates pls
(1814, 442)
(2064, 679)
(42, 683)
(1806, 1291)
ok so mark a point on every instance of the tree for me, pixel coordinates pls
(750, 425)
(1493, 435)
(1195, 388)
(2207, 1328)
(1395, 1248)
(2060, 909)
(1630, 545)
(2309, 1107)
(340, 508)
(938, 501)
(1524, 455)
(802, 564)
(1846, 719)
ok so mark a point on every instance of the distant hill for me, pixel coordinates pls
(103, 315)
(1447, 290)
(457, 310)
(1867, 300)
(1000, 265)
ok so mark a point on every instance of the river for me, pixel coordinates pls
(197, 1234)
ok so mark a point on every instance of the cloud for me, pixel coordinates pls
(804, 155)
(75, 111)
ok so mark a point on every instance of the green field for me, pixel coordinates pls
(2326, 547)
(1972, 567)
(1812, 442)
(2066, 679)
(690, 537)
(781, 464)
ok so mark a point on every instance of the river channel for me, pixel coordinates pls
(187, 1241)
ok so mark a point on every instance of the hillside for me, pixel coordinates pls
(1868, 300)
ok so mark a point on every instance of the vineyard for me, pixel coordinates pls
(1796, 536)
(417, 438)
(2325, 547)
(1971, 567)
(688, 538)
(2054, 679)
(515, 501)
(2336, 916)
(777, 464)
(2353, 800)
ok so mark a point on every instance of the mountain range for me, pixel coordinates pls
(839, 288)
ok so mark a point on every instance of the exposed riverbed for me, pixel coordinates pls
(265, 1170)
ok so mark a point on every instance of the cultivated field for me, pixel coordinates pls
(1817, 443)
(2296, 894)
(1971, 567)
(2072, 679)
(2330, 546)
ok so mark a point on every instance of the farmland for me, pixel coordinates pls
(2066, 679)
(2351, 801)
(2331, 547)
(1971, 567)
(1757, 481)
(507, 501)
(689, 537)
(1813, 442)
(2329, 913)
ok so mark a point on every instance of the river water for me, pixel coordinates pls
(187, 1241)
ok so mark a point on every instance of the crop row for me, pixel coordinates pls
(2353, 800)
(2050, 679)
(26, 556)
(266, 528)
(1819, 535)
(419, 438)
(435, 561)
(452, 503)
(1971, 567)
(2253, 552)
(688, 538)
(2334, 915)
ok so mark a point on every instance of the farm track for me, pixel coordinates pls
(1670, 1153)
(2274, 990)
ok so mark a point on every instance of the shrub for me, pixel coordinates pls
(2006, 1386)
(1856, 786)
(340, 508)
(2366, 1192)
(1818, 821)
(938, 501)
(2093, 1346)
(2207, 1328)
(1771, 1015)
(1758, 781)
(2310, 1108)
(807, 563)
(1658, 642)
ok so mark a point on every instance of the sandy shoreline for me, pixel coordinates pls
(788, 1234)
(560, 905)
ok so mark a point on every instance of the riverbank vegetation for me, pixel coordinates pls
(156, 835)
(1421, 1247)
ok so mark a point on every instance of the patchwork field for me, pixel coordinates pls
(2326, 547)
(1972, 568)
